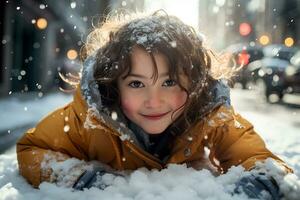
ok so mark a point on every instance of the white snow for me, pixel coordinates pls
(17, 112)
(279, 129)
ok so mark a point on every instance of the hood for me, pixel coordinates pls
(113, 116)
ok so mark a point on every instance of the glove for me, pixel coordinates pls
(253, 185)
(91, 178)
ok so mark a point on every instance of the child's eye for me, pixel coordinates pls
(169, 83)
(136, 84)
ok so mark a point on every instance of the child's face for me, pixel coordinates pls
(147, 103)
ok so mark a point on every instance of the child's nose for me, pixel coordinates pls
(153, 99)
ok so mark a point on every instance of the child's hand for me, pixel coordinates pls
(92, 178)
(258, 187)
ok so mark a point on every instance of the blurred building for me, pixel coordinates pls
(41, 37)
(275, 19)
(242, 21)
(212, 17)
(36, 39)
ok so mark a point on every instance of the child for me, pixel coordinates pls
(147, 98)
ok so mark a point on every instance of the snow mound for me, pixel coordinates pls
(175, 182)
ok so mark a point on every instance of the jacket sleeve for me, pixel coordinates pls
(233, 141)
(58, 137)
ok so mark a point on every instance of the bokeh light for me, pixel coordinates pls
(264, 39)
(41, 23)
(72, 54)
(245, 29)
(289, 41)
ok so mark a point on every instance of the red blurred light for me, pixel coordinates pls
(245, 29)
(243, 58)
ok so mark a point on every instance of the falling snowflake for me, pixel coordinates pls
(42, 6)
(23, 72)
(66, 128)
(39, 86)
(66, 118)
(85, 18)
(114, 115)
(73, 5)
(173, 44)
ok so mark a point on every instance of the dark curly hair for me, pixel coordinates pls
(156, 33)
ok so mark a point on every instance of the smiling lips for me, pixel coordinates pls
(155, 116)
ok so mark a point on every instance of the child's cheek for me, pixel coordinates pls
(179, 99)
(128, 107)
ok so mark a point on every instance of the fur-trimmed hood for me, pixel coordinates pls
(114, 117)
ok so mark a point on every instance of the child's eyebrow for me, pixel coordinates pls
(145, 77)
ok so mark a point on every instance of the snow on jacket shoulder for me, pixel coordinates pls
(232, 141)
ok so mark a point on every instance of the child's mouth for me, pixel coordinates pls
(155, 116)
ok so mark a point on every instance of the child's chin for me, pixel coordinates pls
(152, 131)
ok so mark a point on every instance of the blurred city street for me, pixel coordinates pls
(43, 46)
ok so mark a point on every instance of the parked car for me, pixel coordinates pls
(279, 51)
(278, 74)
(242, 55)
(268, 75)
(292, 74)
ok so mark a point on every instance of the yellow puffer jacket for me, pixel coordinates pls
(64, 134)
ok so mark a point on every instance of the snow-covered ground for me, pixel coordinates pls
(17, 112)
(279, 125)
